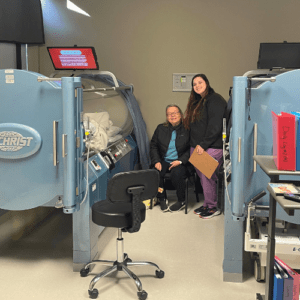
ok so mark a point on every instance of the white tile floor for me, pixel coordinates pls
(36, 262)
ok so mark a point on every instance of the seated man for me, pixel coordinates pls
(169, 152)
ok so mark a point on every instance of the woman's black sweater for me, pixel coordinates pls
(207, 130)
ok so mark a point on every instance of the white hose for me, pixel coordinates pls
(87, 175)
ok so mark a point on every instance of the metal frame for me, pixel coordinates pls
(121, 264)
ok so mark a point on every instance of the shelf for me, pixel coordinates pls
(288, 205)
(268, 165)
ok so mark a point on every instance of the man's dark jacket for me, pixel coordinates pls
(161, 139)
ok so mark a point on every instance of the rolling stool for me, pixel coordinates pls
(124, 209)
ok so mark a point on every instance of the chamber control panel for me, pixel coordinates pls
(95, 165)
(116, 151)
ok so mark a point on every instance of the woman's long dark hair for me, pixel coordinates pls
(192, 113)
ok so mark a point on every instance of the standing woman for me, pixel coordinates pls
(204, 118)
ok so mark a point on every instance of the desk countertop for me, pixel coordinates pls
(268, 165)
(288, 205)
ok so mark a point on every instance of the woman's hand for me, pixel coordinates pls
(199, 149)
(158, 166)
(174, 164)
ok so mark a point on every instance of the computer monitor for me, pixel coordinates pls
(73, 58)
(279, 55)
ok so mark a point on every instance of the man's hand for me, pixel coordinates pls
(174, 164)
(158, 166)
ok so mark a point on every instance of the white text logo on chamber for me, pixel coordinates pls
(13, 141)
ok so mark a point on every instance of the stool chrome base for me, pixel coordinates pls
(121, 264)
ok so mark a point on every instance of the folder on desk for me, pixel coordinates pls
(205, 163)
(293, 274)
(297, 128)
(284, 141)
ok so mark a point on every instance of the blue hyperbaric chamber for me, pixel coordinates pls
(254, 96)
(49, 155)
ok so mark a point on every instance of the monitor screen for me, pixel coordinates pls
(279, 55)
(73, 58)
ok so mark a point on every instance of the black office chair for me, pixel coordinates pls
(124, 209)
(191, 178)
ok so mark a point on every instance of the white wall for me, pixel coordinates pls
(144, 42)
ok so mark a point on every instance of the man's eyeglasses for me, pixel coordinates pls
(173, 114)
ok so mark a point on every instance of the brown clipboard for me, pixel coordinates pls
(204, 163)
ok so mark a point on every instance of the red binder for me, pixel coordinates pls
(293, 274)
(284, 141)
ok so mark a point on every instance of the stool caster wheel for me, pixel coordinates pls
(84, 272)
(126, 258)
(142, 295)
(94, 293)
(160, 274)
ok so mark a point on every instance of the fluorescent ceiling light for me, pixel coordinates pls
(72, 6)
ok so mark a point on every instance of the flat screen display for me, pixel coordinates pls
(73, 58)
(279, 55)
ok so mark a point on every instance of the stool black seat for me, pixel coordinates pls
(124, 209)
(107, 214)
